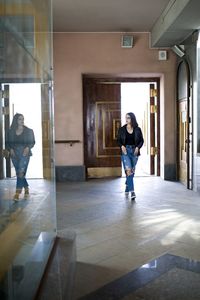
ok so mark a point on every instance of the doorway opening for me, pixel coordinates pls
(25, 98)
(135, 98)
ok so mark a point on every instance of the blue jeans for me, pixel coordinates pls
(129, 161)
(20, 163)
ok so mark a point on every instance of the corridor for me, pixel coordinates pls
(115, 236)
(72, 75)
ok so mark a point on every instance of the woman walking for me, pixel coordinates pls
(130, 140)
(20, 141)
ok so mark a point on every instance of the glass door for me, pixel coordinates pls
(27, 181)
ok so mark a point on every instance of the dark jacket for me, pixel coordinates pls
(27, 139)
(138, 137)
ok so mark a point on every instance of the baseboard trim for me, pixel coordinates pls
(70, 173)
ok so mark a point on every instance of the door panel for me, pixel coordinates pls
(1, 135)
(154, 129)
(9, 172)
(184, 125)
(47, 148)
(5, 125)
(102, 112)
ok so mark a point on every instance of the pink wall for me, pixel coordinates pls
(100, 53)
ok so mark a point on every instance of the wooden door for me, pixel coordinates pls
(183, 128)
(102, 119)
(47, 132)
(5, 162)
(1, 134)
(7, 114)
(154, 129)
(184, 125)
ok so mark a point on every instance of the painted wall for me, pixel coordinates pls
(101, 53)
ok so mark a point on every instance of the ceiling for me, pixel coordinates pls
(106, 15)
(177, 23)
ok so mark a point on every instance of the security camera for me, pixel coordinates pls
(179, 50)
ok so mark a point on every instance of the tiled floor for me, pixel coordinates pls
(115, 236)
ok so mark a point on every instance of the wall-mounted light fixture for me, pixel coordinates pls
(127, 41)
(179, 50)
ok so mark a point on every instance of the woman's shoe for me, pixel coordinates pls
(16, 196)
(126, 191)
(26, 193)
(133, 196)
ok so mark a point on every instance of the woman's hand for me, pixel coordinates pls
(124, 150)
(136, 152)
(26, 151)
(12, 153)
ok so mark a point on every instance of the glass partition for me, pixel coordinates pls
(27, 185)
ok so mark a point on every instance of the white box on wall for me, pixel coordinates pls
(162, 55)
(127, 41)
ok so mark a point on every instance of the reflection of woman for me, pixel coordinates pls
(130, 140)
(20, 141)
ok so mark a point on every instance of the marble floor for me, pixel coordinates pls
(168, 277)
(116, 237)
